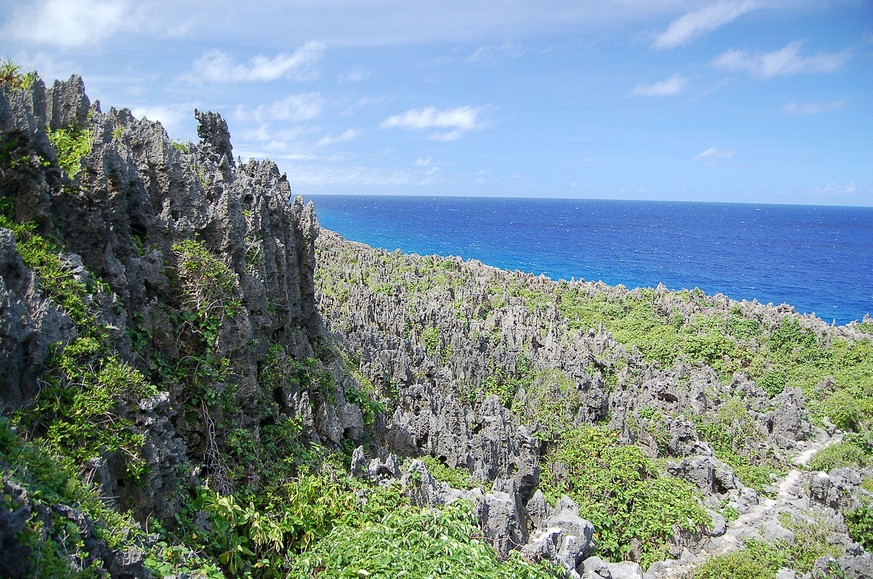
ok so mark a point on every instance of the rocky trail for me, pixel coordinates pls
(761, 520)
(787, 492)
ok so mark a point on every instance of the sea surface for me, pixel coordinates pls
(817, 258)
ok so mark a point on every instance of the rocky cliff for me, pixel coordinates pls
(195, 379)
(191, 272)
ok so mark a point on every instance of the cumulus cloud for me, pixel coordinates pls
(458, 121)
(346, 135)
(666, 87)
(293, 108)
(806, 109)
(68, 23)
(784, 61)
(217, 66)
(713, 154)
(698, 22)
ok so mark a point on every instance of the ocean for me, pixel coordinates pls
(818, 259)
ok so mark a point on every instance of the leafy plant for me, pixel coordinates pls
(859, 523)
(71, 145)
(840, 455)
(413, 543)
(12, 75)
(208, 284)
(757, 560)
(431, 339)
(457, 477)
(811, 534)
(58, 542)
(619, 489)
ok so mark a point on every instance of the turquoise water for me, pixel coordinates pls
(817, 258)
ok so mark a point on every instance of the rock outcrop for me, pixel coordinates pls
(124, 219)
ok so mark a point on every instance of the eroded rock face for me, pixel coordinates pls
(135, 197)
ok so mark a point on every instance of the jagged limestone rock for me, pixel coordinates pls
(118, 220)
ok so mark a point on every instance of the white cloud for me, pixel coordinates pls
(666, 87)
(346, 135)
(835, 190)
(806, 109)
(277, 138)
(781, 62)
(175, 118)
(69, 23)
(423, 162)
(458, 120)
(698, 22)
(713, 154)
(356, 75)
(217, 66)
(488, 53)
(315, 175)
(293, 108)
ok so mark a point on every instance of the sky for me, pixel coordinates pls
(759, 101)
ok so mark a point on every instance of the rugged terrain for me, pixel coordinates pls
(196, 379)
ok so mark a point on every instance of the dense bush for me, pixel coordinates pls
(757, 560)
(620, 490)
(860, 524)
(840, 455)
(409, 542)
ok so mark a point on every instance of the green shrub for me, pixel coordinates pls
(13, 76)
(757, 560)
(458, 477)
(57, 543)
(431, 339)
(843, 409)
(619, 489)
(860, 525)
(773, 382)
(412, 543)
(739, 564)
(840, 455)
(811, 540)
(71, 145)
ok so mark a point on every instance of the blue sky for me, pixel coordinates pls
(767, 101)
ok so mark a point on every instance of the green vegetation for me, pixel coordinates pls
(80, 409)
(71, 145)
(458, 477)
(845, 454)
(183, 147)
(77, 410)
(859, 522)
(329, 524)
(410, 542)
(731, 431)
(550, 402)
(431, 339)
(56, 537)
(12, 75)
(757, 560)
(811, 534)
(619, 489)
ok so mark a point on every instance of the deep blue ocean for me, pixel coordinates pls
(817, 258)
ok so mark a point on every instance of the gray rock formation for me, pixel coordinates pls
(119, 220)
